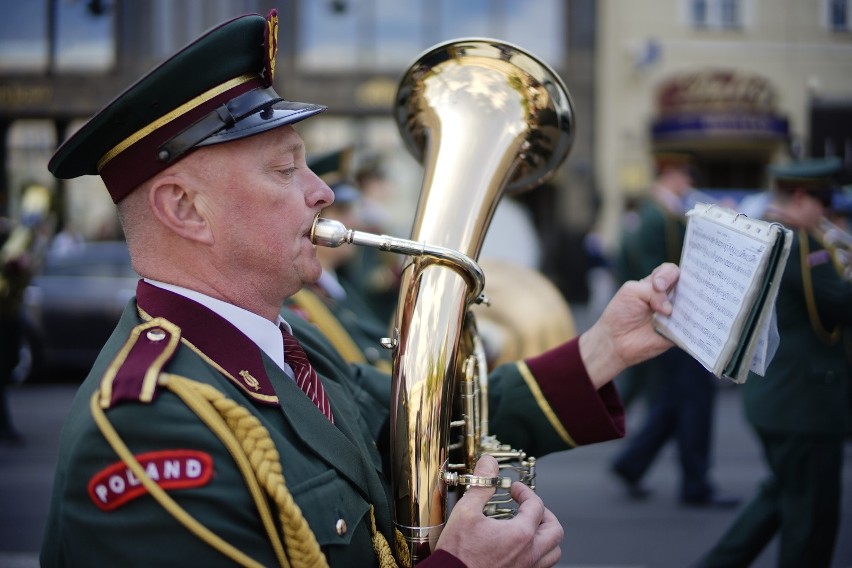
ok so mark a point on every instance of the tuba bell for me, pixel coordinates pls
(484, 118)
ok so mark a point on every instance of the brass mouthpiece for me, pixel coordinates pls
(330, 233)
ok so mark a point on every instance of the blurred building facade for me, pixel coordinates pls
(738, 83)
(61, 60)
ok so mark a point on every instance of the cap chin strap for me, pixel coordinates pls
(222, 117)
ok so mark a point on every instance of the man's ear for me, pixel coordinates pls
(178, 209)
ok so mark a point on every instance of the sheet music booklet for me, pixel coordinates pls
(724, 302)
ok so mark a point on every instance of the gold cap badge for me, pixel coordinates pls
(270, 42)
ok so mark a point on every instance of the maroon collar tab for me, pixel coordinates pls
(133, 373)
(213, 338)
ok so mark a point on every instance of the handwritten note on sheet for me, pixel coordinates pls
(717, 272)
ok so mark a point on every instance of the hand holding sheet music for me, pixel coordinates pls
(724, 302)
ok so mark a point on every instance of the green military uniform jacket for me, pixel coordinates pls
(100, 516)
(806, 387)
(655, 238)
(348, 323)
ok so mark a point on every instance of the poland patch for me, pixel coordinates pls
(115, 485)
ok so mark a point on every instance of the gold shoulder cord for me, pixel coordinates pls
(249, 444)
(245, 444)
(832, 337)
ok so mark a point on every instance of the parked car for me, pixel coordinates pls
(72, 305)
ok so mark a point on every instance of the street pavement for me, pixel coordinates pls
(603, 528)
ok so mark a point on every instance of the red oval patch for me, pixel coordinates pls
(115, 485)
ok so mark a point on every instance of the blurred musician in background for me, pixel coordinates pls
(681, 392)
(333, 303)
(800, 410)
(22, 243)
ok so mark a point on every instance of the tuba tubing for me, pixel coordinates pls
(331, 233)
(484, 118)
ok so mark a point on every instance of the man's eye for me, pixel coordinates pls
(288, 172)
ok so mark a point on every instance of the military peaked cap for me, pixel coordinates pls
(332, 166)
(217, 89)
(335, 169)
(816, 171)
(815, 176)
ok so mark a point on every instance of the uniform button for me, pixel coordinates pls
(372, 354)
(341, 527)
(156, 334)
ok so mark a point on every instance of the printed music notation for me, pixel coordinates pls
(724, 301)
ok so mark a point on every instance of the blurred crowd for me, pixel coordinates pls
(806, 420)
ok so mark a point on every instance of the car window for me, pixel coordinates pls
(95, 259)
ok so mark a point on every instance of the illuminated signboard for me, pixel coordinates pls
(718, 104)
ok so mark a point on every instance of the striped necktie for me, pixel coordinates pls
(306, 376)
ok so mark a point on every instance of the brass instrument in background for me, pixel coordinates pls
(526, 314)
(839, 244)
(483, 117)
(21, 251)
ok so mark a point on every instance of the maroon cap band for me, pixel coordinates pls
(137, 163)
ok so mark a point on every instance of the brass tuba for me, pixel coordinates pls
(483, 117)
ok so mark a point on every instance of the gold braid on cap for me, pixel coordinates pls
(176, 113)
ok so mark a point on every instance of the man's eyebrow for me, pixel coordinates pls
(295, 148)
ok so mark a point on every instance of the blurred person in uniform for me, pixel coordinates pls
(637, 381)
(376, 274)
(681, 393)
(512, 235)
(799, 410)
(218, 428)
(332, 303)
(567, 254)
(22, 245)
(837, 238)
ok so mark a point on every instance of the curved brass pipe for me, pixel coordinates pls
(484, 118)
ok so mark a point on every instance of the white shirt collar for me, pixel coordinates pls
(260, 330)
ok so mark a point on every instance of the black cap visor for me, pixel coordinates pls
(246, 115)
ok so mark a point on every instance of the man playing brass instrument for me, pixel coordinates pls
(800, 409)
(216, 429)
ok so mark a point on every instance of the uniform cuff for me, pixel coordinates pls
(441, 559)
(587, 414)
